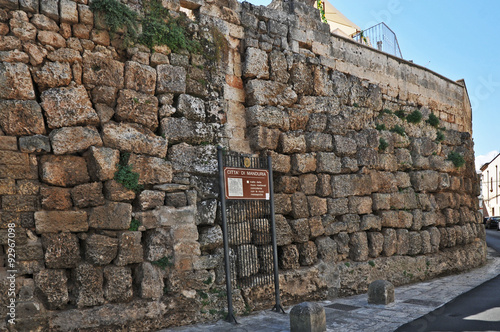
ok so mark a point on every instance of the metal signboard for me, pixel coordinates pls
(245, 183)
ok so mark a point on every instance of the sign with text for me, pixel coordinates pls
(246, 183)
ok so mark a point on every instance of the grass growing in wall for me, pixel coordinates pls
(163, 262)
(457, 159)
(134, 225)
(400, 114)
(124, 175)
(380, 127)
(439, 136)
(433, 120)
(398, 130)
(117, 16)
(383, 145)
(158, 27)
(414, 117)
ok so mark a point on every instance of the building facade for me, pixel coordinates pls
(490, 187)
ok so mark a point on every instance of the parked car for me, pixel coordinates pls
(492, 222)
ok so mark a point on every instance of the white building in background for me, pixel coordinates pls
(490, 187)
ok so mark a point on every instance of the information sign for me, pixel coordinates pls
(246, 183)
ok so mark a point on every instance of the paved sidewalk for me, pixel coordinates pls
(355, 314)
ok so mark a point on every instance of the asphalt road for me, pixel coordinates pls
(476, 310)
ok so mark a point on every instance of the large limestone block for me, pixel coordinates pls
(102, 163)
(51, 39)
(100, 69)
(192, 108)
(130, 249)
(118, 283)
(52, 286)
(68, 106)
(15, 81)
(62, 250)
(149, 281)
(151, 170)
(68, 140)
(57, 221)
(21, 117)
(113, 215)
(196, 159)
(256, 64)
(289, 257)
(178, 130)
(268, 116)
(100, 249)
(52, 75)
(89, 282)
(262, 92)
(131, 137)
(140, 77)
(87, 195)
(170, 79)
(133, 106)
(64, 171)
(158, 243)
(68, 11)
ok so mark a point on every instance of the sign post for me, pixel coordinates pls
(248, 224)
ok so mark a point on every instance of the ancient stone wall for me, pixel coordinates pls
(108, 170)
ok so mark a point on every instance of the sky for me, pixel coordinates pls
(458, 39)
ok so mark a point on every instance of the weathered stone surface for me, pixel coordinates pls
(104, 95)
(292, 142)
(158, 244)
(89, 282)
(115, 191)
(247, 252)
(99, 69)
(55, 198)
(140, 77)
(21, 117)
(256, 64)
(64, 171)
(149, 281)
(360, 205)
(52, 285)
(87, 195)
(117, 283)
(300, 208)
(206, 212)
(68, 106)
(263, 138)
(381, 292)
(196, 159)
(262, 92)
(191, 107)
(151, 170)
(308, 253)
(133, 106)
(390, 241)
(57, 221)
(149, 199)
(52, 75)
(178, 130)
(211, 238)
(15, 81)
(100, 249)
(300, 230)
(113, 215)
(131, 137)
(358, 247)
(307, 316)
(425, 180)
(267, 116)
(317, 206)
(130, 250)
(304, 162)
(284, 232)
(176, 199)
(20, 203)
(51, 38)
(102, 163)
(170, 79)
(34, 144)
(62, 251)
(318, 142)
(375, 244)
(68, 140)
(289, 257)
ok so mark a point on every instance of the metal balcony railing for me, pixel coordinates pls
(381, 37)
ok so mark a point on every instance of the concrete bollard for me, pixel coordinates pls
(307, 317)
(381, 292)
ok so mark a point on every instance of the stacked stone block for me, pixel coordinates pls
(75, 105)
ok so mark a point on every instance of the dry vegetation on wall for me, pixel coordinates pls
(110, 114)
